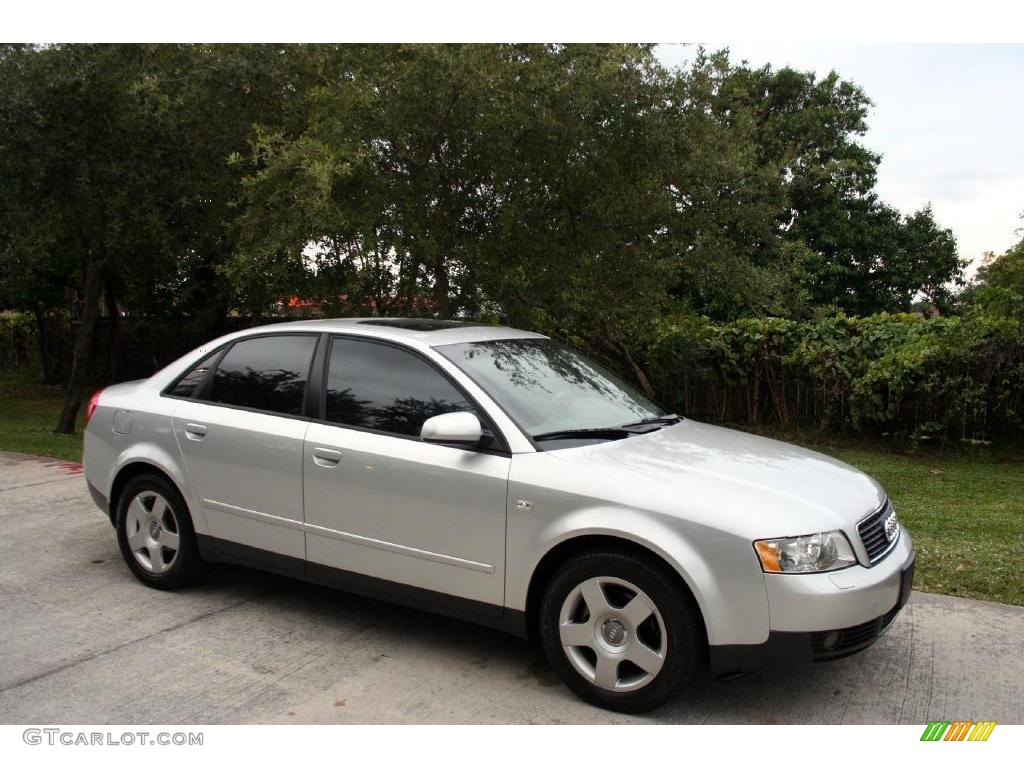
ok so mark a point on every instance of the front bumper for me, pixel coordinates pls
(808, 602)
(821, 617)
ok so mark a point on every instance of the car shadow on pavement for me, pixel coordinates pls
(848, 690)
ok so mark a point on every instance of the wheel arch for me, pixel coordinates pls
(128, 472)
(570, 547)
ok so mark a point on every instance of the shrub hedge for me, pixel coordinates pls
(937, 378)
(954, 377)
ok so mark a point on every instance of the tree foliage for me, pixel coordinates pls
(998, 287)
(118, 186)
(582, 190)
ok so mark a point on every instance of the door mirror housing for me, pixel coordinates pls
(460, 427)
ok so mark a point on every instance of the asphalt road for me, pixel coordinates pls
(82, 642)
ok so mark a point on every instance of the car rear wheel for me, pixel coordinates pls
(619, 631)
(155, 534)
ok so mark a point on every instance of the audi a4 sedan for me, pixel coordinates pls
(497, 476)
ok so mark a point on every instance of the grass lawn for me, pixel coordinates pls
(28, 414)
(964, 508)
(965, 511)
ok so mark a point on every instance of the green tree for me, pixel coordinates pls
(88, 199)
(926, 262)
(1005, 271)
(380, 192)
(731, 201)
(583, 190)
(786, 217)
(120, 188)
(580, 240)
(998, 288)
(526, 178)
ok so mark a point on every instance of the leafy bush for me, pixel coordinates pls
(18, 345)
(960, 377)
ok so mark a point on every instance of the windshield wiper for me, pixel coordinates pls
(669, 418)
(610, 433)
(607, 433)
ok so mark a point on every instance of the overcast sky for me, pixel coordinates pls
(948, 121)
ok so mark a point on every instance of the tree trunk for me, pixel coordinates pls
(82, 351)
(407, 284)
(209, 303)
(639, 374)
(441, 288)
(114, 317)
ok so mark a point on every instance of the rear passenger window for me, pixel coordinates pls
(268, 373)
(378, 386)
(186, 385)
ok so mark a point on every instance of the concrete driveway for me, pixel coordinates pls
(82, 642)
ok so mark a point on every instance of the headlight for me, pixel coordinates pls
(806, 554)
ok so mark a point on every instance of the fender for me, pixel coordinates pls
(160, 458)
(733, 600)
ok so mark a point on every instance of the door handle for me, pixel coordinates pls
(326, 457)
(195, 431)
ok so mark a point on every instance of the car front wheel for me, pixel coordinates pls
(619, 631)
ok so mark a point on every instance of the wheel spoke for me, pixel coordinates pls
(170, 540)
(156, 559)
(137, 512)
(648, 660)
(637, 610)
(137, 539)
(594, 597)
(159, 509)
(606, 674)
(575, 635)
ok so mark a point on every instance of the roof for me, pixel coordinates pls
(425, 331)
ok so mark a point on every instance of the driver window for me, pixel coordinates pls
(384, 388)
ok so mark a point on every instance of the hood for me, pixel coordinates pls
(704, 470)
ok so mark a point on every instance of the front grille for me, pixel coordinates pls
(842, 642)
(872, 533)
(889, 618)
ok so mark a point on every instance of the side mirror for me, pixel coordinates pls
(459, 427)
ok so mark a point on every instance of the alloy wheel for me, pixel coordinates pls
(613, 634)
(154, 535)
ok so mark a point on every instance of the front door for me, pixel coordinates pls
(381, 502)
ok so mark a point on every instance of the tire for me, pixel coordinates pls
(609, 659)
(155, 533)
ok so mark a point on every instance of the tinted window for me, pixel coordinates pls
(378, 386)
(186, 386)
(268, 373)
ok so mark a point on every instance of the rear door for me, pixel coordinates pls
(242, 442)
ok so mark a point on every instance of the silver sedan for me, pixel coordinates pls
(497, 476)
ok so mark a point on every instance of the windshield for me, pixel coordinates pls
(548, 388)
